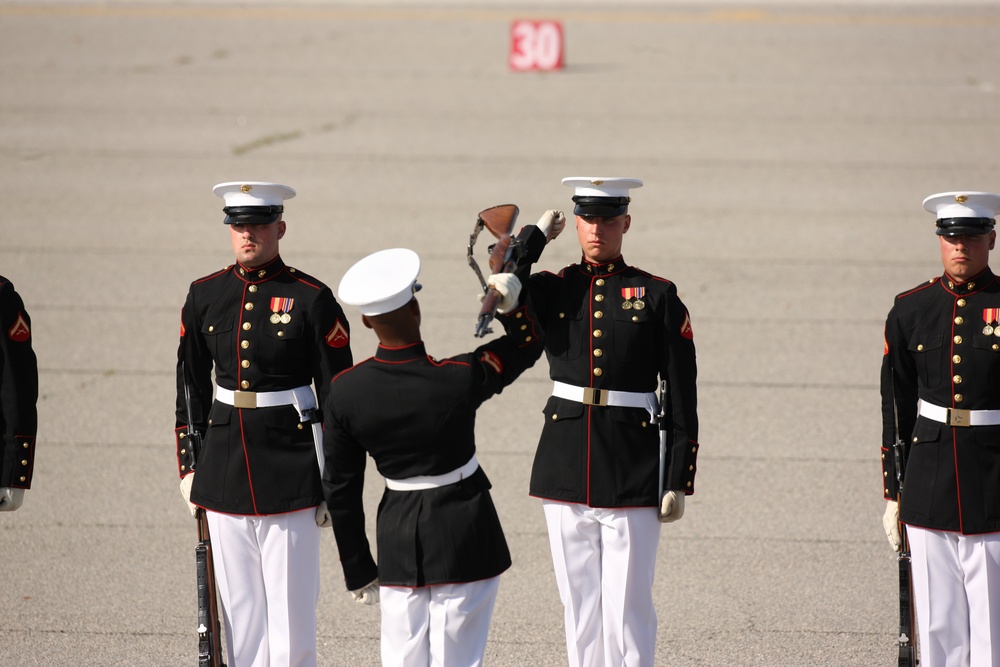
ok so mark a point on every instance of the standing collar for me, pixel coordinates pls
(616, 265)
(974, 284)
(260, 273)
(396, 355)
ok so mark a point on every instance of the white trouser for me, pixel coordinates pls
(445, 625)
(267, 572)
(956, 586)
(604, 560)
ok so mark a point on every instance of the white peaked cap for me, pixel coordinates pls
(381, 282)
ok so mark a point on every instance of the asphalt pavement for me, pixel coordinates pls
(785, 150)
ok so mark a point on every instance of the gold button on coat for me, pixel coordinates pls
(249, 305)
(245, 384)
(599, 298)
(598, 314)
(959, 320)
(600, 282)
(961, 303)
(245, 363)
(598, 352)
(244, 344)
(252, 288)
(959, 398)
(598, 333)
(598, 372)
(957, 359)
(246, 326)
(957, 379)
(958, 340)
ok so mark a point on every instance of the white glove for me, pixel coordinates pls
(367, 595)
(890, 522)
(186, 482)
(672, 506)
(323, 518)
(509, 287)
(10, 499)
(551, 224)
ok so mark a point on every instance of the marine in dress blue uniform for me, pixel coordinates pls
(440, 544)
(940, 383)
(270, 332)
(18, 398)
(611, 332)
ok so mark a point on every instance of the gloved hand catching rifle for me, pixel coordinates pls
(509, 287)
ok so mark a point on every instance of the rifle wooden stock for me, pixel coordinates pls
(209, 627)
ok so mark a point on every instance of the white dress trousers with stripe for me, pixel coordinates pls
(444, 625)
(956, 587)
(604, 561)
(267, 574)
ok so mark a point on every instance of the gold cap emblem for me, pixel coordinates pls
(961, 199)
(246, 188)
(597, 182)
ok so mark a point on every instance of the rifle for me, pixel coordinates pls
(907, 618)
(209, 633)
(907, 621)
(661, 420)
(504, 254)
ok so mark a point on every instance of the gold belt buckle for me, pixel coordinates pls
(245, 399)
(593, 396)
(958, 417)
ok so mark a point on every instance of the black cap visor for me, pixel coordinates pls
(964, 226)
(600, 207)
(252, 215)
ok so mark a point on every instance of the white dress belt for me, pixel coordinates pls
(616, 399)
(957, 417)
(424, 482)
(258, 399)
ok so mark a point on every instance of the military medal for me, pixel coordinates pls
(280, 306)
(991, 316)
(633, 298)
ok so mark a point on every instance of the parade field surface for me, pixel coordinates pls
(785, 149)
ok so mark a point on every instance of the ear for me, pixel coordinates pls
(365, 321)
(993, 239)
(281, 228)
(626, 224)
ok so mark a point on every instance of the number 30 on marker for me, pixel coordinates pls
(536, 45)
